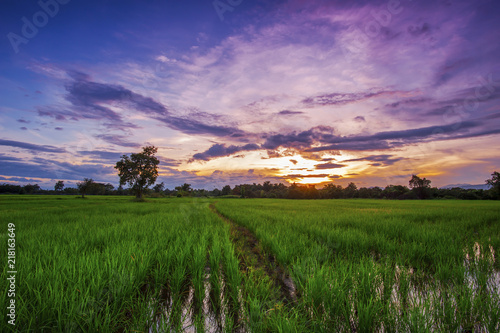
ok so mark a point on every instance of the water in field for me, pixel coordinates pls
(216, 313)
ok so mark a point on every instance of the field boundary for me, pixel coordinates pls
(254, 257)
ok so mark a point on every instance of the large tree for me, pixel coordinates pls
(139, 170)
(420, 186)
(494, 182)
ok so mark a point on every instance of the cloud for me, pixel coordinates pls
(294, 176)
(19, 179)
(102, 155)
(220, 150)
(322, 138)
(380, 141)
(31, 146)
(360, 119)
(328, 166)
(119, 140)
(192, 126)
(89, 99)
(379, 159)
(298, 140)
(4, 158)
(344, 98)
(418, 30)
(289, 113)
(43, 168)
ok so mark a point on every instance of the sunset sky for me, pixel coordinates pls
(236, 92)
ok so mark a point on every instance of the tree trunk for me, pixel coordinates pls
(139, 193)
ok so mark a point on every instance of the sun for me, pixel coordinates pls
(299, 170)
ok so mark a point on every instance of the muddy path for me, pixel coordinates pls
(252, 256)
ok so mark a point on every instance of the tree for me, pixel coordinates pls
(420, 186)
(59, 186)
(395, 192)
(158, 188)
(350, 191)
(184, 190)
(226, 190)
(30, 189)
(332, 191)
(139, 170)
(85, 186)
(494, 182)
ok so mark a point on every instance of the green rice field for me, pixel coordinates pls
(107, 264)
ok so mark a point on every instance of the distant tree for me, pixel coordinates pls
(108, 188)
(10, 188)
(494, 182)
(226, 190)
(186, 187)
(395, 192)
(311, 192)
(85, 186)
(420, 186)
(184, 190)
(351, 191)
(243, 190)
(59, 186)
(71, 190)
(267, 186)
(332, 191)
(30, 189)
(215, 192)
(139, 170)
(295, 192)
(158, 188)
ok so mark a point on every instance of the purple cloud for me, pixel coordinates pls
(220, 150)
(31, 146)
(329, 166)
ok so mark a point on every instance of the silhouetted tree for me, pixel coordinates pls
(332, 191)
(139, 170)
(395, 192)
(158, 188)
(184, 190)
(85, 186)
(494, 182)
(10, 188)
(30, 189)
(420, 186)
(226, 190)
(350, 191)
(59, 186)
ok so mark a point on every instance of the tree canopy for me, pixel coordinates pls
(140, 170)
(420, 186)
(59, 186)
(494, 182)
(85, 186)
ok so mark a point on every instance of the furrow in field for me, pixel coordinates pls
(252, 256)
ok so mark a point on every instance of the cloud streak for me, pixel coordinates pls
(31, 146)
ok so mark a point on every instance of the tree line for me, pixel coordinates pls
(418, 188)
(140, 171)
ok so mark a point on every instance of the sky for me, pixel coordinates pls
(244, 91)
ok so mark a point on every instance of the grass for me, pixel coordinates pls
(372, 265)
(108, 264)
